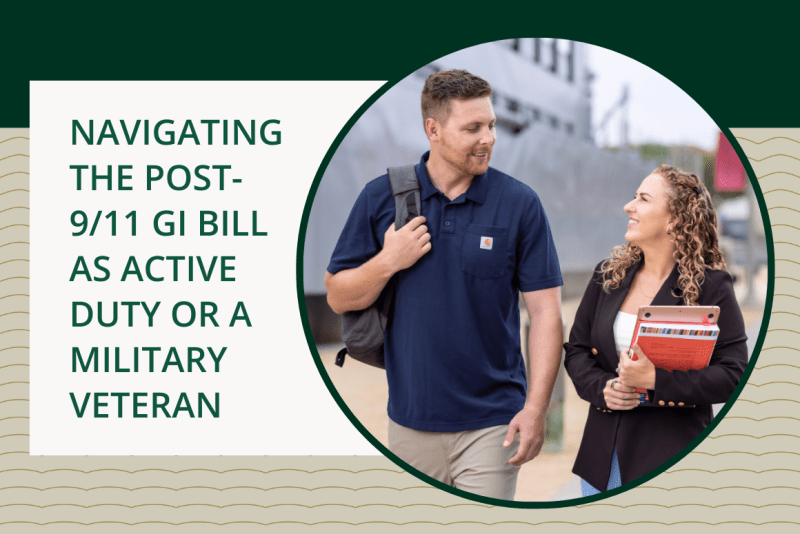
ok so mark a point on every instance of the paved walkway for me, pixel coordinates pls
(549, 476)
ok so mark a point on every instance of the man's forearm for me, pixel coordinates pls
(356, 289)
(545, 340)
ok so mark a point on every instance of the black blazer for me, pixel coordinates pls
(680, 406)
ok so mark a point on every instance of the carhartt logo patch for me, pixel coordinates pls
(486, 243)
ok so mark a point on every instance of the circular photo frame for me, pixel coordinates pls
(581, 126)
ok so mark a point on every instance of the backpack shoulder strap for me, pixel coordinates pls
(405, 189)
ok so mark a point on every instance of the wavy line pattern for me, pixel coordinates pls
(760, 385)
(254, 488)
(731, 470)
(255, 505)
(753, 437)
(789, 225)
(16, 208)
(719, 489)
(407, 523)
(14, 156)
(740, 139)
(773, 156)
(778, 364)
(757, 420)
(218, 472)
(173, 491)
(774, 173)
(784, 190)
(767, 400)
(700, 505)
(783, 208)
(12, 138)
(750, 453)
(18, 172)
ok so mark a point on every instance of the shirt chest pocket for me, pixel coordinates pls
(484, 251)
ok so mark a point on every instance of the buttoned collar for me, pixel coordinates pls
(477, 189)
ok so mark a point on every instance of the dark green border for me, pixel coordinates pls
(235, 41)
(498, 502)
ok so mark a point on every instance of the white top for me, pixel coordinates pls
(623, 330)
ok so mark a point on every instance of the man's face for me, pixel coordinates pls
(466, 138)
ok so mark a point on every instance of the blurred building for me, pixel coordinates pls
(559, 72)
(542, 99)
(689, 159)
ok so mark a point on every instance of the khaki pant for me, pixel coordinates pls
(472, 460)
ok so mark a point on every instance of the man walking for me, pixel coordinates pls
(458, 406)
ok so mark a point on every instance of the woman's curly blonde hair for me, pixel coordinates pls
(694, 229)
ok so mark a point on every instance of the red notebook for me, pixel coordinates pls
(674, 345)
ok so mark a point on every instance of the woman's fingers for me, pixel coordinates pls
(619, 397)
(622, 388)
(616, 385)
(621, 405)
(637, 350)
(618, 404)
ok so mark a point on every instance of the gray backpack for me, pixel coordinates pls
(363, 330)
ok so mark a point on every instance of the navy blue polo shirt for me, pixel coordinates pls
(453, 358)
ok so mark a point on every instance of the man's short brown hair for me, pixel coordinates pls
(441, 88)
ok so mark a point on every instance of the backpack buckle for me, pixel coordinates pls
(340, 357)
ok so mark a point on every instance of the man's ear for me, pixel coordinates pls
(432, 129)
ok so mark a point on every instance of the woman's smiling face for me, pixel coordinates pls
(649, 213)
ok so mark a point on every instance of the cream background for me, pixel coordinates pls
(264, 382)
(746, 473)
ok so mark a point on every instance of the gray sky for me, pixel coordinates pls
(658, 110)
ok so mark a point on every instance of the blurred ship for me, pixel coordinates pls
(543, 102)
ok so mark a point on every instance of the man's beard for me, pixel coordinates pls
(466, 163)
